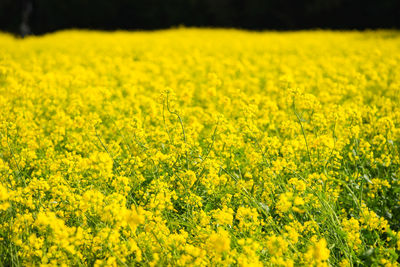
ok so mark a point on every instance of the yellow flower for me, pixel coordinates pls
(134, 218)
(4, 195)
(318, 253)
(284, 202)
(219, 242)
(223, 216)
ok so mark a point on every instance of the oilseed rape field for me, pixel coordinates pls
(200, 147)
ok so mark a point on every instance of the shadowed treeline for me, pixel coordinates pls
(50, 15)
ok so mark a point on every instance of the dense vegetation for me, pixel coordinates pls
(200, 147)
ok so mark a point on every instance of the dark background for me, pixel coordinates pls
(51, 15)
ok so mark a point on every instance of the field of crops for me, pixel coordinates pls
(200, 147)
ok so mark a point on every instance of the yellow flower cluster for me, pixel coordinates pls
(200, 147)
